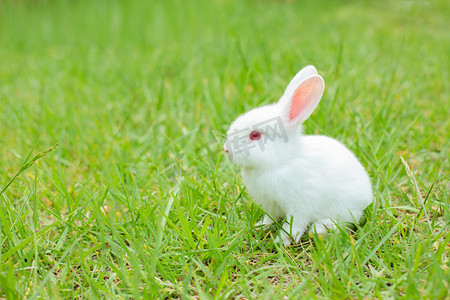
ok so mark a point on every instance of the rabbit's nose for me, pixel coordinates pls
(225, 148)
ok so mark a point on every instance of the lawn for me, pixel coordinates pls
(112, 119)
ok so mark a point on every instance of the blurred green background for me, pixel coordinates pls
(139, 95)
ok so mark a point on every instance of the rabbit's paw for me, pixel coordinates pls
(285, 239)
(295, 231)
(266, 220)
(322, 227)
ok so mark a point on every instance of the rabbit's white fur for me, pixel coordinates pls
(310, 180)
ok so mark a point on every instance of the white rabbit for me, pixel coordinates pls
(311, 180)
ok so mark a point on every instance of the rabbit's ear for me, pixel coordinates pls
(304, 100)
(304, 73)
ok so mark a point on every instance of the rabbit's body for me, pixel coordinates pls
(310, 180)
(336, 171)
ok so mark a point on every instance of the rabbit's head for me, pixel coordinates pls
(271, 135)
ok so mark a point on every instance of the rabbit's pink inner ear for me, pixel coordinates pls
(305, 99)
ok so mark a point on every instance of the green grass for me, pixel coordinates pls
(138, 201)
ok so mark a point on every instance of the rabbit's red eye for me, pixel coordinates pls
(255, 135)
